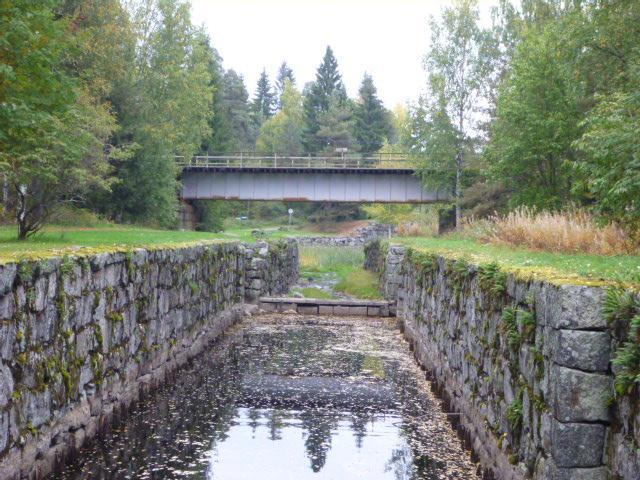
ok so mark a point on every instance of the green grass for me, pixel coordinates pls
(556, 267)
(346, 263)
(57, 240)
(54, 241)
(360, 283)
(313, 292)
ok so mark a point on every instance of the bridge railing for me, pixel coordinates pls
(240, 160)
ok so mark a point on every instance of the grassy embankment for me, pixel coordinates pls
(54, 241)
(344, 264)
(585, 269)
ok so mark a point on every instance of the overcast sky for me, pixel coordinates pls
(386, 38)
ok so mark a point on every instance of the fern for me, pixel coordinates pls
(628, 360)
(514, 413)
(619, 304)
(510, 328)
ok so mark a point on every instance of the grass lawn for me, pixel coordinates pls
(344, 262)
(312, 292)
(61, 240)
(557, 267)
(55, 240)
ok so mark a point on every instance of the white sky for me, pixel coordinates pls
(386, 38)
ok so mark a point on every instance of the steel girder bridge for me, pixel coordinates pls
(385, 178)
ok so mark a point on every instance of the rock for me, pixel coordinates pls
(577, 444)
(582, 350)
(580, 396)
(575, 307)
(7, 277)
(6, 385)
(7, 307)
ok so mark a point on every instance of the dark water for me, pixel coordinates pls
(287, 398)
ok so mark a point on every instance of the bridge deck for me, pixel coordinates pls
(381, 178)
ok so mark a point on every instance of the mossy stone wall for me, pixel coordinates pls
(83, 338)
(525, 363)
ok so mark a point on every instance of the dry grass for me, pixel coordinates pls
(563, 232)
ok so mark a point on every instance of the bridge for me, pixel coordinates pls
(385, 178)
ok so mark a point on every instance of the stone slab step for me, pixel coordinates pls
(322, 306)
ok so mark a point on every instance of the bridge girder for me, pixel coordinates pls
(321, 185)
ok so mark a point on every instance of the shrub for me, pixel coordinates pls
(567, 232)
(70, 216)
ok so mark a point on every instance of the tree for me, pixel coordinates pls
(433, 139)
(537, 120)
(457, 69)
(284, 74)
(317, 98)
(609, 170)
(336, 126)
(264, 101)
(221, 138)
(51, 127)
(372, 122)
(282, 134)
(237, 109)
(164, 114)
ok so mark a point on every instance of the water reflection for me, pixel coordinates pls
(326, 400)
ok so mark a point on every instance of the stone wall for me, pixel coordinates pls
(82, 338)
(362, 235)
(526, 364)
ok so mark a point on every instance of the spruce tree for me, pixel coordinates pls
(237, 109)
(284, 73)
(264, 100)
(318, 98)
(371, 118)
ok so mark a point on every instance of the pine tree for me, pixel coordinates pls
(318, 98)
(372, 123)
(284, 73)
(264, 100)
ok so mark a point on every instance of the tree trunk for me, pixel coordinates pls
(458, 193)
(21, 214)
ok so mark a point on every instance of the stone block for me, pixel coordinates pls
(38, 407)
(582, 350)
(6, 385)
(7, 277)
(597, 473)
(8, 331)
(340, 310)
(358, 311)
(7, 307)
(269, 306)
(373, 311)
(283, 307)
(308, 309)
(575, 307)
(580, 396)
(41, 287)
(325, 309)
(577, 444)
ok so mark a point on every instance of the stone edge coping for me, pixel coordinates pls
(323, 301)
